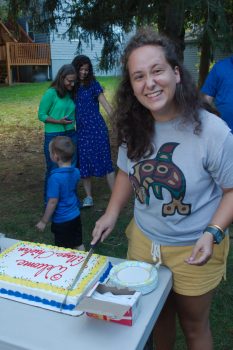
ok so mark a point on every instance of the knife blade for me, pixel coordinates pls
(84, 264)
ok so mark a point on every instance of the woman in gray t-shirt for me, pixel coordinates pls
(177, 158)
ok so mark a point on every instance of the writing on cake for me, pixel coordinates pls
(41, 274)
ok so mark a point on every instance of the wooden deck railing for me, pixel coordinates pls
(22, 54)
(2, 53)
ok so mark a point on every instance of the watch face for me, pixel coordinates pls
(218, 237)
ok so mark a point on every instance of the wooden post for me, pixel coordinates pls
(8, 64)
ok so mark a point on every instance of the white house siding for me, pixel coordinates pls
(192, 57)
(63, 51)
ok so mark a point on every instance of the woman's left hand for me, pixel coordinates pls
(202, 250)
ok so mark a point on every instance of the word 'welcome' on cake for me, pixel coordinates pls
(40, 274)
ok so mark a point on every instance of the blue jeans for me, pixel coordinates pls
(50, 165)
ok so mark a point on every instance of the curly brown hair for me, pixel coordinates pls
(134, 123)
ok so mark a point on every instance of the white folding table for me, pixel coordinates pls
(25, 327)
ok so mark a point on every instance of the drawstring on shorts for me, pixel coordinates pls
(156, 253)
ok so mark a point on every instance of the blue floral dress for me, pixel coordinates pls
(92, 133)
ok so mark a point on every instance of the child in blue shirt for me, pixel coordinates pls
(62, 201)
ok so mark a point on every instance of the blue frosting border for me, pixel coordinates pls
(44, 301)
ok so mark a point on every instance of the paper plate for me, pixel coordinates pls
(140, 276)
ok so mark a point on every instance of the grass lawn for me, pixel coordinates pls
(21, 191)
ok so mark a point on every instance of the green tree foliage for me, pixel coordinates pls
(3, 9)
(210, 22)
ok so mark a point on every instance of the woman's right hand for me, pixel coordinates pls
(103, 227)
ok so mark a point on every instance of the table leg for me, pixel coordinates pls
(150, 343)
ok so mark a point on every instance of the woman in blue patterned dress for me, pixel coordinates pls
(93, 140)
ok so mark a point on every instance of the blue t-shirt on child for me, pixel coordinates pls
(62, 184)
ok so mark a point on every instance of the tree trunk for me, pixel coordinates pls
(204, 59)
(171, 23)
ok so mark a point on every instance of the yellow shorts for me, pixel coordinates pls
(188, 279)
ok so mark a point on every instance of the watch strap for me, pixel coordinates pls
(217, 233)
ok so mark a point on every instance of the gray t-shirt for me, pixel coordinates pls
(179, 187)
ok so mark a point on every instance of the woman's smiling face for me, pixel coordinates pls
(84, 71)
(69, 81)
(154, 81)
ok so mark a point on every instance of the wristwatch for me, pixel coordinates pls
(217, 233)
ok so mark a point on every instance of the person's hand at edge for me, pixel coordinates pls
(202, 250)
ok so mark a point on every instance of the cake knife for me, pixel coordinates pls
(91, 251)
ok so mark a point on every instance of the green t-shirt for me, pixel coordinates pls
(53, 106)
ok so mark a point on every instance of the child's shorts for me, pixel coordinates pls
(189, 280)
(68, 234)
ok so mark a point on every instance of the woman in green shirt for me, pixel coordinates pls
(57, 112)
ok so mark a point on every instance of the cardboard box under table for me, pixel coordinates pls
(111, 304)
